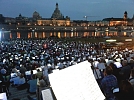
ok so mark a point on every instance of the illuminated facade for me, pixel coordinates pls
(54, 22)
(57, 19)
(125, 21)
(60, 26)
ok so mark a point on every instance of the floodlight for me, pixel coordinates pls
(111, 40)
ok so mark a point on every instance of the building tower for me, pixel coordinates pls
(125, 15)
(36, 15)
(125, 18)
(57, 14)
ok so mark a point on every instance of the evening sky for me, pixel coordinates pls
(75, 9)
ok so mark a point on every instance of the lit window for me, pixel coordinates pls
(18, 35)
(10, 35)
(36, 34)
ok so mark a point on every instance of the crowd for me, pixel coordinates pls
(25, 64)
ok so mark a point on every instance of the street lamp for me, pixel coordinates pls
(85, 17)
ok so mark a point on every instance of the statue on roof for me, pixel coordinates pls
(20, 15)
(57, 14)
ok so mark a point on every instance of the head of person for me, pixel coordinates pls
(33, 76)
(125, 86)
(21, 75)
(38, 70)
(124, 62)
(108, 70)
(132, 72)
(131, 61)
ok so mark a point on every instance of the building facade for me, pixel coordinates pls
(58, 25)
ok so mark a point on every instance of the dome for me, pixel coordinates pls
(36, 14)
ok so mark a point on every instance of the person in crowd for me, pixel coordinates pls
(131, 79)
(29, 75)
(42, 85)
(23, 69)
(45, 74)
(108, 83)
(101, 65)
(115, 70)
(21, 83)
(5, 84)
(131, 63)
(126, 91)
(14, 69)
(39, 74)
(3, 71)
(32, 85)
(15, 79)
(125, 70)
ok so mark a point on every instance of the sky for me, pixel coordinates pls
(75, 9)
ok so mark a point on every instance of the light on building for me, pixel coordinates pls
(107, 30)
(111, 40)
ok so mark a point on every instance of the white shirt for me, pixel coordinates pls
(118, 64)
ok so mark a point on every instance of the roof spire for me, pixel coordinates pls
(56, 5)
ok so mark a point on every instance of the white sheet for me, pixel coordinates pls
(76, 82)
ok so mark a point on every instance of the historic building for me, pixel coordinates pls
(57, 19)
(125, 21)
(60, 26)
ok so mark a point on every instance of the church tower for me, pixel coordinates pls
(125, 18)
(125, 15)
(57, 14)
